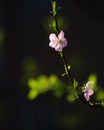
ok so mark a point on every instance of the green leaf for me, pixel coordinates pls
(93, 77)
(32, 94)
(53, 80)
(32, 83)
(43, 85)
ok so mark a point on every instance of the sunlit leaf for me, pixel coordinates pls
(53, 80)
(32, 94)
(32, 83)
(92, 77)
(42, 83)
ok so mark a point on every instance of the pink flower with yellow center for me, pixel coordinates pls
(58, 43)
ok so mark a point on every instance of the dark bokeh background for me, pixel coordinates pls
(26, 34)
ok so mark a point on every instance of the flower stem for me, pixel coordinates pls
(66, 68)
(56, 24)
(54, 11)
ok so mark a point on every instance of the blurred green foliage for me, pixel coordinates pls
(40, 84)
(100, 95)
(43, 84)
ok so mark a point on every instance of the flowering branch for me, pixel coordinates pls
(58, 42)
(61, 39)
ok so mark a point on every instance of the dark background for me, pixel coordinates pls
(25, 28)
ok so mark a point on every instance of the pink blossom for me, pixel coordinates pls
(88, 90)
(57, 42)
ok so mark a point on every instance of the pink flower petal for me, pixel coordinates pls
(86, 95)
(53, 37)
(90, 92)
(52, 44)
(61, 35)
(58, 47)
(64, 42)
(87, 98)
